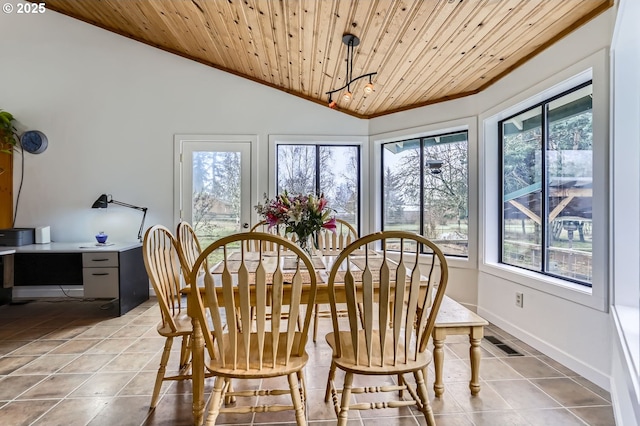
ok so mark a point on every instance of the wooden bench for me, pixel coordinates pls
(452, 319)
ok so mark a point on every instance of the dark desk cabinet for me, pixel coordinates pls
(6, 275)
(48, 269)
(105, 272)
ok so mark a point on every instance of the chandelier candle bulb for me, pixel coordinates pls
(368, 89)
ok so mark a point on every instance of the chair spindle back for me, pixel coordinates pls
(162, 262)
(399, 291)
(258, 285)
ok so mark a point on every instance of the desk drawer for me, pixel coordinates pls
(100, 283)
(100, 260)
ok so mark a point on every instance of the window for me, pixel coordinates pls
(425, 189)
(547, 185)
(213, 183)
(330, 169)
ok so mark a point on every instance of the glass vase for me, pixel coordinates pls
(306, 243)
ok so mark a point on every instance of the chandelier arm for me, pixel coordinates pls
(351, 41)
(351, 82)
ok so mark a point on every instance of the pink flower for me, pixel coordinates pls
(323, 203)
(271, 219)
(330, 225)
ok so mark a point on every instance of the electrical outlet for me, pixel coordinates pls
(519, 299)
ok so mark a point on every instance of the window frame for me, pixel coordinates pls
(468, 124)
(594, 68)
(543, 106)
(423, 171)
(363, 173)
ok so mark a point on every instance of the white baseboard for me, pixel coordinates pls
(588, 372)
(37, 291)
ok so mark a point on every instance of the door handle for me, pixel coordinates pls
(245, 225)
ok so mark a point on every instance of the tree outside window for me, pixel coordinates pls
(332, 170)
(426, 189)
(216, 193)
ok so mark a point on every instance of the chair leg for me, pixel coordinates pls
(332, 375)
(421, 385)
(303, 386)
(185, 352)
(315, 322)
(216, 398)
(296, 397)
(343, 416)
(161, 371)
(229, 399)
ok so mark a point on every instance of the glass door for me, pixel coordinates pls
(214, 186)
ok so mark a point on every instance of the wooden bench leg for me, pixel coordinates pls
(438, 358)
(475, 354)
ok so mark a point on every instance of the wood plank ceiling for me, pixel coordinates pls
(424, 51)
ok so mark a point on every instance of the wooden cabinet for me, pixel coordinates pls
(6, 190)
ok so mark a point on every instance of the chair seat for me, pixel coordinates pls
(183, 326)
(296, 363)
(347, 361)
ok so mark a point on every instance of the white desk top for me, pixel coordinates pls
(80, 247)
(4, 252)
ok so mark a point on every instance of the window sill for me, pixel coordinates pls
(452, 262)
(627, 323)
(587, 296)
(459, 262)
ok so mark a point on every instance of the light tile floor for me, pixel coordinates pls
(70, 363)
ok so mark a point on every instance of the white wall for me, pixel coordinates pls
(561, 322)
(110, 107)
(563, 329)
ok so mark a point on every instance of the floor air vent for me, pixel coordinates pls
(503, 346)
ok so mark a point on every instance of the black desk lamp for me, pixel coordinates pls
(103, 202)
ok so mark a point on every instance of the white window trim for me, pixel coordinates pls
(625, 203)
(360, 141)
(592, 68)
(468, 124)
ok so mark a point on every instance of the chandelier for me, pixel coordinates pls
(351, 41)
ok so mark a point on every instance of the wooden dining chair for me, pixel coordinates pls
(255, 245)
(332, 243)
(400, 291)
(188, 243)
(264, 345)
(263, 226)
(190, 247)
(165, 269)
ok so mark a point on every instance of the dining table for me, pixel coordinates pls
(452, 318)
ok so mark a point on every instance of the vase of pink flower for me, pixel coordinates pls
(302, 215)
